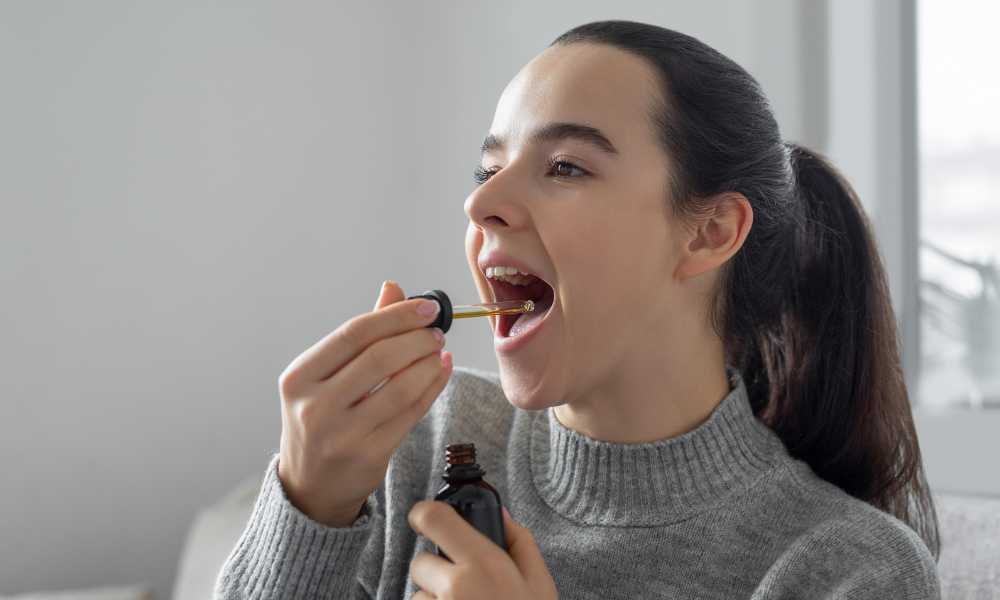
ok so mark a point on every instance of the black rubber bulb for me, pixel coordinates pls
(443, 320)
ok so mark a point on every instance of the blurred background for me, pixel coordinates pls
(191, 194)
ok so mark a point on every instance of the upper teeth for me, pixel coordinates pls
(509, 274)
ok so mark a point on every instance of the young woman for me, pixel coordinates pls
(707, 404)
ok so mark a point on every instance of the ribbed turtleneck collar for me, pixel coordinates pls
(654, 483)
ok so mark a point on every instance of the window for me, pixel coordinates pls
(959, 188)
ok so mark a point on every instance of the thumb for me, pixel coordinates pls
(389, 294)
(523, 550)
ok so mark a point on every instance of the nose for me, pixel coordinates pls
(497, 203)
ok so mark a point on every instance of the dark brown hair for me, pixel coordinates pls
(803, 307)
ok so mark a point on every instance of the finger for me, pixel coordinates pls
(431, 573)
(422, 595)
(331, 353)
(386, 358)
(391, 432)
(463, 543)
(389, 294)
(522, 549)
(403, 389)
(386, 296)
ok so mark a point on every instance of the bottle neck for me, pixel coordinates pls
(462, 473)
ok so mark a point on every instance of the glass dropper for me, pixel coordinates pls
(465, 311)
(508, 307)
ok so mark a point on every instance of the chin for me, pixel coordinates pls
(525, 390)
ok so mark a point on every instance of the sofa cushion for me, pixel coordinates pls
(969, 565)
(137, 592)
(212, 536)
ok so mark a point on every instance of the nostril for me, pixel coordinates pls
(492, 218)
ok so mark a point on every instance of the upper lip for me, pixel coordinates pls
(495, 258)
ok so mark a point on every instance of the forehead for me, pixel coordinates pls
(592, 84)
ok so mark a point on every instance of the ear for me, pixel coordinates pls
(716, 236)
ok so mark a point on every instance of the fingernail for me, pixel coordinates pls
(506, 512)
(445, 358)
(427, 308)
(438, 334)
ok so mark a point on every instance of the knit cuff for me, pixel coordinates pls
(285, 554)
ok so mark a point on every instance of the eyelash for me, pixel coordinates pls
(481, 175)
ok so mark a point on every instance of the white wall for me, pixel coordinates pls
(193, 193)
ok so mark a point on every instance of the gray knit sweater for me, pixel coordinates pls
(721, 511)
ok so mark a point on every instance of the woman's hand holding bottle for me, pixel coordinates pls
(338, 435)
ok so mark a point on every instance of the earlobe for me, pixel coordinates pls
(716, 237)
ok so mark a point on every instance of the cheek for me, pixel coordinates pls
(588, 259)
(473, 243)
(601, 249)
(606, 267)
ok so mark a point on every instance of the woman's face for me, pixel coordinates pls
(589, 217)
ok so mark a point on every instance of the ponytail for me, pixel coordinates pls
(834, 389)
(803, 307)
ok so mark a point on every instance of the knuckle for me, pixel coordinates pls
(418, 517)
(287, 381)
(449, 588)
(424, 513)
(432, 341)
(308, 414)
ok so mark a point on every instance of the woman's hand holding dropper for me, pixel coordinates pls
(336, 438)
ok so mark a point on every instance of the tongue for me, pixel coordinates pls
(525, 320)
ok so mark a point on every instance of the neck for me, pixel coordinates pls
(653, 394)
(654, 483)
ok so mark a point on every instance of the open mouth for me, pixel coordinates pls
(535, 289)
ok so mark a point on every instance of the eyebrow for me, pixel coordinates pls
(558, 131)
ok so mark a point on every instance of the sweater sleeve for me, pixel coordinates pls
(861, 560)
(283, 553)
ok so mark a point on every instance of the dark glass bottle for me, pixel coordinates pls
(465, 490)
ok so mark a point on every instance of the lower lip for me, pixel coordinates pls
(507, 345)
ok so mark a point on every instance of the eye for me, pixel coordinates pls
(558, 168)
(563, 168)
